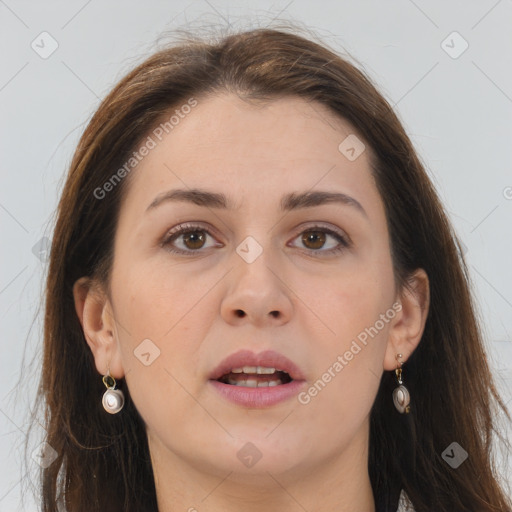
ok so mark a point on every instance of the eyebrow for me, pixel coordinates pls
(289, 202)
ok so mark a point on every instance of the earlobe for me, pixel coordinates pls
(95, 314)
(408, 326)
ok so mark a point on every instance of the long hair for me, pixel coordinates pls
(103, 461)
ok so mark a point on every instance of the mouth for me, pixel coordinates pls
(255, 377)
(257, 380)
(247, 369)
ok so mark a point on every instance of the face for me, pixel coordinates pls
(312, 282)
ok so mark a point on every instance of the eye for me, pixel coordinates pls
(187, 238)
(315, 239)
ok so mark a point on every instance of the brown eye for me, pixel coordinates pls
(315, 238)
(194, 239)
(188, 239)
(322, 241)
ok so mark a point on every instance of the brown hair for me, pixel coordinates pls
(103, 461)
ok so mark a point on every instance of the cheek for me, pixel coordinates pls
(355, 309)
(339, 399)
(157, 300)
(348, 365)
(349, 301)
(159, 335)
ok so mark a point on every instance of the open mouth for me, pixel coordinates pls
(255, 377)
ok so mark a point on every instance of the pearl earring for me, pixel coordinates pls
(113, 399)
(401, 396)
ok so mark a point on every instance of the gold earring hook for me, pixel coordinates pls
(108, 380)
(398, 371)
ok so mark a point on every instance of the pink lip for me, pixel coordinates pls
(268, 358)
(258, 397)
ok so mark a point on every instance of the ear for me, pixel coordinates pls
(409, 323)
(95, 313)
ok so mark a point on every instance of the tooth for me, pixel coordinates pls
(249, 369)
(253, 383)
(264, 370)
(237, 370)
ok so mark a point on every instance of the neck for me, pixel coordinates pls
(339, 484)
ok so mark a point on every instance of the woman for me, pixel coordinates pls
(256, 301)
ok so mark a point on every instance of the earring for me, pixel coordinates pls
(113, 399)
(401, 396)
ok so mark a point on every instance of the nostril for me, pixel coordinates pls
(239, 313)
(275, 314)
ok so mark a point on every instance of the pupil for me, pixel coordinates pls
(314, 236)
(193, 238)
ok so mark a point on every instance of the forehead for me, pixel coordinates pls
(253, 149)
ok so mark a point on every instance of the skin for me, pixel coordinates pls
(313, 456)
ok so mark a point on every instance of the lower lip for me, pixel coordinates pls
(258, 397)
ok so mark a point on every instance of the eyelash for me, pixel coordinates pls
(192, 228)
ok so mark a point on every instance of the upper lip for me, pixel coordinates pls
(268, 358)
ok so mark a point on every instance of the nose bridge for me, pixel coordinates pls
(254, 267)
(256, 291)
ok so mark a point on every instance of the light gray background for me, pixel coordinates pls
(458, 112)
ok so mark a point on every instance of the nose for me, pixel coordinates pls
(256, 294)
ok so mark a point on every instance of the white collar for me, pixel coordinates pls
(404, 504)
